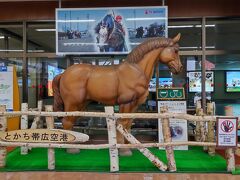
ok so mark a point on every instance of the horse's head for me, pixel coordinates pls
(169, 56)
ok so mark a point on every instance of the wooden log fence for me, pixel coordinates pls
(113, 146)
(167, 138)
(3, 128)
(230, 154)
(211, 129)
(24, 125)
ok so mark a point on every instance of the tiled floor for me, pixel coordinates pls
(112, 176)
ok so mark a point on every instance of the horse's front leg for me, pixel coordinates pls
(126, 123)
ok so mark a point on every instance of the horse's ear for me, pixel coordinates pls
(176, 38)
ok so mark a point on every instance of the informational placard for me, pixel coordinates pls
(109, 30)
(6, 87)
(174, 93)
(227, 132)
(43, 136)
(178, 127)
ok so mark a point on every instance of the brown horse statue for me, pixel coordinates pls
(125, 84)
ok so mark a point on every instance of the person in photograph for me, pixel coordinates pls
(111, 34)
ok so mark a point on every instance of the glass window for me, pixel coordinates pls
(41, 37)
(227, 76)
(223, 34)
(11, 37)
(190, 30)
(40, 75)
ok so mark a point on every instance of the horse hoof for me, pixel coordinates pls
(73, 150)
(125, 152)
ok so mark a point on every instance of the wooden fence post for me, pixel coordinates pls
(112, 140)
(211, 129)
(200, 127)
(24, 125)
(167, 138)
(230, 151)
(50, 125)
(198, 131)
(36, 121)
(3, 128)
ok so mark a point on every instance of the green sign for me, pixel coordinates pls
(171, 93)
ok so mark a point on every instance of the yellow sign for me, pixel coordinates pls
(43, 136)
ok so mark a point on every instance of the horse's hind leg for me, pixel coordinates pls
(126, 123)
(68, 122)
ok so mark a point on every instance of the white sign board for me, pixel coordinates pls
(227, 132)
(6, 87)
(178, 127)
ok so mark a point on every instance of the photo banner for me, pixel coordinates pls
(107, 30)
(6, 87)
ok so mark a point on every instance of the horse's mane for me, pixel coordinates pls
(152, 43)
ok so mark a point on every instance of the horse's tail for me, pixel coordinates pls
(58, 104)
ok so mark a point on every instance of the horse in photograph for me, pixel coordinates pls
(102, 38)
(110, 35)
(125, 84)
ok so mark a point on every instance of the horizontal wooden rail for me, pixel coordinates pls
(140, 116)
(105, 146)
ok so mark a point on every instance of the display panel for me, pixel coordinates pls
(232, 81)
(107, 30)
(163, 82)
(195, 82)
(52, 72)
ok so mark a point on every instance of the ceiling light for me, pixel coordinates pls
(46, 30)
(196, 47)
(11, 50)
(74, 21)
(2, 37)
(182, 26)
(191, 26)
(144, 19)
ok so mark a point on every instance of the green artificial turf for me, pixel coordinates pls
(236, 172)
(193, 160)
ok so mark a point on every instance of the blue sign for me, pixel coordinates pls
(3, 68)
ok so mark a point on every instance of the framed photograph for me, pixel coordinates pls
(115, 30)
(195, 81)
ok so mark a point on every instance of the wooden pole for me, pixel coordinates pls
(167, 138)
(36, 121)
(211, 129)
(198, 132)
(50, 125)
(159, 164)
(112, 139)
(230, 151)
(201, 135)
(24, 125)
(3, 128)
